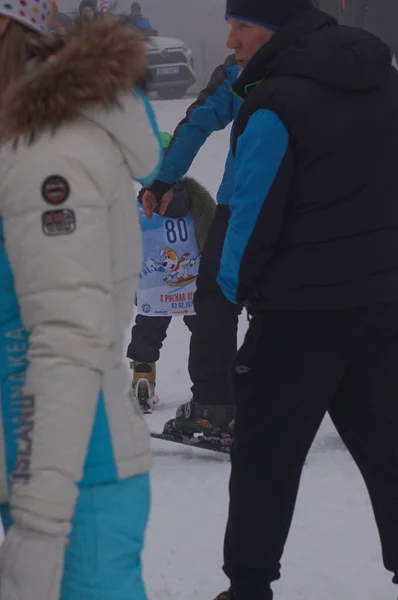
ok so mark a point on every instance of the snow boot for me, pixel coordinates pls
(144, 381)
(212, 423)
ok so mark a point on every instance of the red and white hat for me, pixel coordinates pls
(34, 14)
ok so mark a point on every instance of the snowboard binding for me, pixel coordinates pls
(209, 427)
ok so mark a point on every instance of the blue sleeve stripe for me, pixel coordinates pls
(146, 181)
(152, 120)
(259, 154)
(214, 114)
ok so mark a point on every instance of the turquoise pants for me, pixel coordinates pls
(103, 559)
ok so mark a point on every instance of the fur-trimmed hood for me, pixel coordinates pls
(96, 66)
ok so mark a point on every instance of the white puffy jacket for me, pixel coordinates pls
(75, 137)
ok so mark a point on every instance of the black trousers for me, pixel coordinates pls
(214, 339)
(148, 335)
(291, 370)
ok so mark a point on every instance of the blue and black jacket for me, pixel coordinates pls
(314, 213)
(214, 109)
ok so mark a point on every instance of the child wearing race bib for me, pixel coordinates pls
(171, 247)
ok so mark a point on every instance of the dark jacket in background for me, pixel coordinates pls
(139, 22)
(314, 219)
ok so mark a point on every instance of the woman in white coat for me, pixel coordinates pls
(75, 129)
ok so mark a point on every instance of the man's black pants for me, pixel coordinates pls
(213, 344)
(291, 370)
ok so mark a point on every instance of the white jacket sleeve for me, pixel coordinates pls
(60, 255)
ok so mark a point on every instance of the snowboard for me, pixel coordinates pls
(223, 446)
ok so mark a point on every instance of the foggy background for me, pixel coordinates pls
(200, 24)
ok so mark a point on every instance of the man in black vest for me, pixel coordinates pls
(312, 248)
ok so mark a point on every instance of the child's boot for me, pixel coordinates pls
(144, 381)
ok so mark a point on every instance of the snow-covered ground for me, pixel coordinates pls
(333, 551)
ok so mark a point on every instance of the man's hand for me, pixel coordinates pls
(149, 203)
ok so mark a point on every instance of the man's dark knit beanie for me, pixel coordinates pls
(269, 13)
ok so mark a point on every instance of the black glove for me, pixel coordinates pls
(159, 188)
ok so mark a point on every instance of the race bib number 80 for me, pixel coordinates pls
(170, 266)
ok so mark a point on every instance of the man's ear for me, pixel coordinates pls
(4, 23)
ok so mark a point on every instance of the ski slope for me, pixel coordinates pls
(333, 551)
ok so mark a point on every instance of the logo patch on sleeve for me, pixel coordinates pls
(58, 222)
(55, 189)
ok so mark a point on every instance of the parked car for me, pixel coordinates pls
(171, 67)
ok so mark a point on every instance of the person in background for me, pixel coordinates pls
(87, 13)
(214, 340)
(74, 457)
(137, 20)
(172, 244)
(312, 249)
